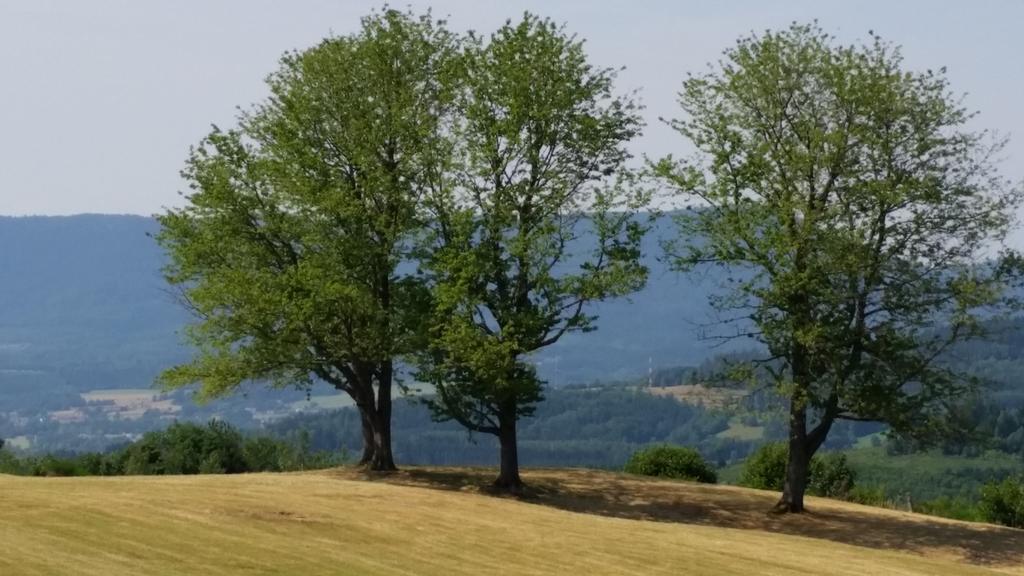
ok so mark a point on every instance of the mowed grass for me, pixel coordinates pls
(441, 521)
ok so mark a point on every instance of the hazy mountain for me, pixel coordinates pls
(82, 297)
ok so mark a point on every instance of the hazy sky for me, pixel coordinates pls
(100, 99)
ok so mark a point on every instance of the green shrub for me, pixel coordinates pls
(955, 508)
(1003, 502)
(829, 475)
(11, 464)
(182, 448)
(53, 466)
(870, 496)
(186, 448)
(672, 462)
(264, 454)
(765, 469)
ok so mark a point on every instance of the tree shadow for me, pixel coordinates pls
(624, 496)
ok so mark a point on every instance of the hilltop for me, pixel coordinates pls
(440, 521)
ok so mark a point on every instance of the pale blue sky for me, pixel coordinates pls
(100, 100)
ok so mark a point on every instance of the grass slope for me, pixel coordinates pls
(439, 521)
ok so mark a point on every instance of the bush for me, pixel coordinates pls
(671, 462)
(182, 448)
(765, 469)
(264, 454)
(955, 508)
(186, 448)
(829, 475)
(1003, 502)
(53, 466)
(871, 496)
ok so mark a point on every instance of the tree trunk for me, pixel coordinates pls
(383, 460)
(368, 443)
(798, 462)
(802, 447)
(797, 472)
(374, 413)
(508, 477)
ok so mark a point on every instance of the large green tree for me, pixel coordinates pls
(532, 227)
(290, 246)
(861, 220)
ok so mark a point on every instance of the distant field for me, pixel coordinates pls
(739, 431)
(128, 403)
(931, 474)
(120, 395)
(20, 442)
(439, 522)
(698, 394)
(342, 400)
(323, 402)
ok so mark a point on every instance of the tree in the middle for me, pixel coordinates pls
(532, 228)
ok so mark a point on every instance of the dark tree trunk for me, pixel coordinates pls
(368, 443)
(383, 460)
(802, 447)
(798, 462)
(508, 476)
(374, 413)
(797, 472)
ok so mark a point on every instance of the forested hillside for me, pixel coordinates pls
(86, 308)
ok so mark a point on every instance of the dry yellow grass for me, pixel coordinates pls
(430, 521)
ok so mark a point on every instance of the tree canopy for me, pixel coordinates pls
(540, 220)
(863, 220)
(290, 247)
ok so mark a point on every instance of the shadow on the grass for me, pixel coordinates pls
(624, 496)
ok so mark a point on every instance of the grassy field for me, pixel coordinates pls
(928, 475)
(439, 521)
(737, 430)
(697, 394)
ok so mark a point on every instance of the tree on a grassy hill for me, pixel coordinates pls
(290, 247)
(859, 213)
(533, 228)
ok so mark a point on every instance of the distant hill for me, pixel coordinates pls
(85, 289)
(83, 297)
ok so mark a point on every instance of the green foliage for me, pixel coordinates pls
(289, 245)
(765, 469)
(870, 496)
(672, 462)
(855, 206)
(594, 427)
(925, 476)
(297, 219)
(956, 508)
(830, 474)
(185, 448)
(539, 133)
(1003, 502)
(182, 448)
